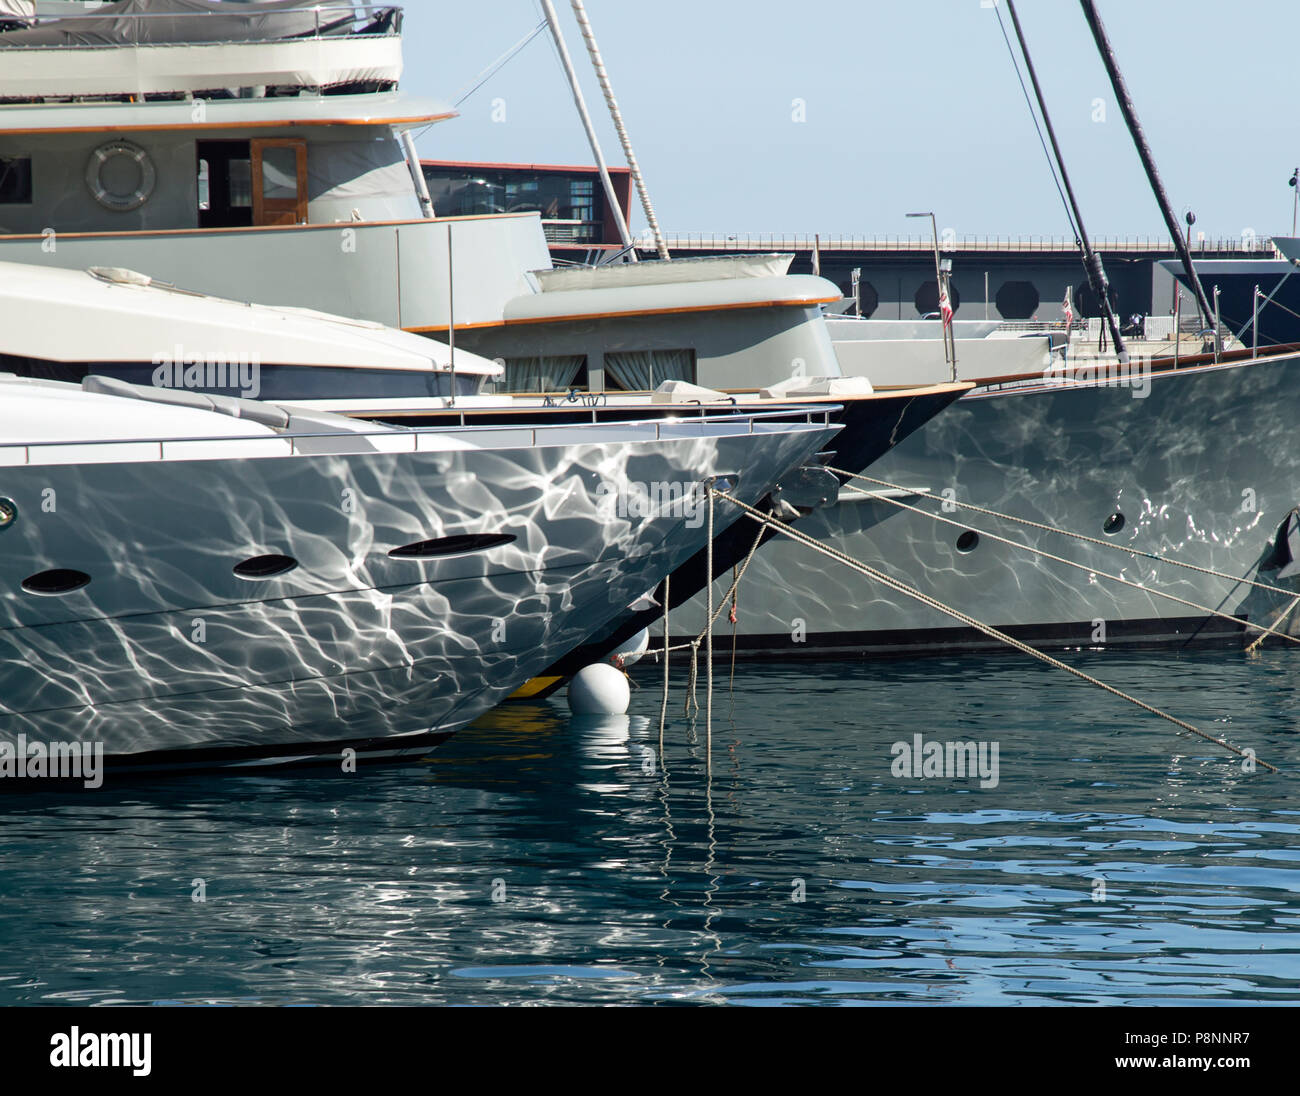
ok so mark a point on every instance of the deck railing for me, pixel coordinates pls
(681, 424)
(338, 20)
(1247, 244)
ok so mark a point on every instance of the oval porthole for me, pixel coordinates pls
(259, 567)
(968, 541)
(8, 512)
(451, 546)
(61, 580)
(1113, 524)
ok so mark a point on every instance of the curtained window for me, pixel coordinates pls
(553, 374)
(645, 370)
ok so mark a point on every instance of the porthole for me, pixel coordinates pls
(8, 512)
(451, 546)
(968, 541)
(61, 580)
(1113, 524)
(260, 567)
(1017, 300)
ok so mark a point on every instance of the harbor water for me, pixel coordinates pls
(1097, 857)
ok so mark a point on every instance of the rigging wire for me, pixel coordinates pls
(1126, 549)
(1033, 115)
(492, 69)
(1151, 591)
(993, 633)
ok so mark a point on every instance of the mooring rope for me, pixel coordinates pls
(1267, 631)
(729, 595)
(1279, 304)
(708, 669)
(993, 633)
(1282, 614)
(1073, 535)
(705, 636)
(735, 621)
(663, 704)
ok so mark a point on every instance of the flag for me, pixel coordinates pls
(1069, 309)
(945, 305)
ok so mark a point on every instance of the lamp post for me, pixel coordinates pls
(938, 278)
(1295, 197)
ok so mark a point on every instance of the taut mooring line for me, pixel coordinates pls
(1269, 630)
(1002, 637)
(1074, 536)
(708, 649)
(663, 704)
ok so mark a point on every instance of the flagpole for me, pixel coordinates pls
(938, 281)
(946, 312)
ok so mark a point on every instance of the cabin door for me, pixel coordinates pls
(279, 181)
(225, 178)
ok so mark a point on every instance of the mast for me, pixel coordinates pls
(417, 174)
(566, 61)
(589, 36)
(1144, 153)
(1091, 262)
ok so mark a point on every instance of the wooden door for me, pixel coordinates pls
(279, 181)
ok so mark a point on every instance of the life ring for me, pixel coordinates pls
(120, 203)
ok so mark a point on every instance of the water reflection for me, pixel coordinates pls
(541, 857)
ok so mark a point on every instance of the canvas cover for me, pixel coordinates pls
(17, 10)
(161, 22)
(373, 175)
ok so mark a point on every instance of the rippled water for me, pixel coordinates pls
(537, 858)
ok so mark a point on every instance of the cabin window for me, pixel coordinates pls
(279, 181)
(645, 370)
(279, 172)
(15, 180)
(544, 374)
(582, 200)
(241, 184)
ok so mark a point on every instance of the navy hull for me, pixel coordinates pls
(1236, 279)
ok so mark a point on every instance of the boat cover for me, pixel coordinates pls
(20, 11)
(707, 268)
(162, 22)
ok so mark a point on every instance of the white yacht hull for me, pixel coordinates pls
(168, 656)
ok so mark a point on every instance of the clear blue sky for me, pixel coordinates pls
(910, 104)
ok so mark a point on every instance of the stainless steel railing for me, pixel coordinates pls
(1244, 245)
(635, 429)
(190, 28)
